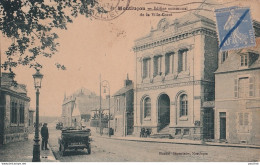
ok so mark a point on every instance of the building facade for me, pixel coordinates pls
(69, 104)
(237, 104)
(175, 67)
(124, 110)
(14, 111)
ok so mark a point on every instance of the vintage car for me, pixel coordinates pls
(59, 126)
(74, 139)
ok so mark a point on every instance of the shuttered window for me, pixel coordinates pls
(240, 120)
(243, 122)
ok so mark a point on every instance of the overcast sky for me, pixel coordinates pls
(93, 47)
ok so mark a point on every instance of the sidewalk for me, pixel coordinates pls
(178, 141)
(23, 152)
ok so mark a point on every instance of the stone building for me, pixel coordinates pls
(77, 108)
(124, 109)
(14, 111)
(175, 65)
(237, 104)
(69, 104)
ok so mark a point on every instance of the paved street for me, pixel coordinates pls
(106, 150)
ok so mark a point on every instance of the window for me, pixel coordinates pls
(244, 60)
(146, 68)
(157, 65)
(147, 107)
(243, 122)
(21, 114)
(224, 56)
(243, 87)
(186, 132)
(14, 113)
(169, 63)
(117, 104)
(183, 105)
(183, 64)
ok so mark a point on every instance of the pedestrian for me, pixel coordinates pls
(45, 136)
(147, 132)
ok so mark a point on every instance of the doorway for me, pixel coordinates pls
(163, 111)
(222, 116)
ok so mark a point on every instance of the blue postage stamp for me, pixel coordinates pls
(235, 28)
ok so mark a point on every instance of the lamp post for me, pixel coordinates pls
(36, 147)
(105, 85)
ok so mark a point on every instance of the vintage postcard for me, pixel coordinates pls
(129, 81)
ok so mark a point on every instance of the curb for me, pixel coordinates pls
(51, 155)
(205, 144)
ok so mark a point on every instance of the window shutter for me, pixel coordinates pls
(236, 88)
(251, 86)
(246, 120)
(240, 120)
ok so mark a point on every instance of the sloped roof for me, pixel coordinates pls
(232, 63)
(6, 81)
(124, 90)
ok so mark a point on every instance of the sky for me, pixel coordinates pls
(91, 47)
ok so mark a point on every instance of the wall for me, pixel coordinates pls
(15, 132)
(226, 102)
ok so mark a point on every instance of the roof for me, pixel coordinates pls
(124, 90)
(7, 81)
(232, 63)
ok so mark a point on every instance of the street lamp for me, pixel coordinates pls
(36, 147)
(105, 85)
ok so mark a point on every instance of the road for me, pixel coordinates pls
(112, 150)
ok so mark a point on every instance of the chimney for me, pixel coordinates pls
(127, 81)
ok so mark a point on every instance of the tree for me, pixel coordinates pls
(30, 25)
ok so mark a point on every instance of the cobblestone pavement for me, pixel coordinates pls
(107, 150)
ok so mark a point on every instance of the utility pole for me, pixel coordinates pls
(100, 109)
(0, 64)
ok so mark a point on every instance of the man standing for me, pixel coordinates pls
(45, 136)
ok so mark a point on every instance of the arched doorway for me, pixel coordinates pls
(163, 111)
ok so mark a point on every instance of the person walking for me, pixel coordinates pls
(45, 136)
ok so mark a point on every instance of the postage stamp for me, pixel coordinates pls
(235, 28)
(112, 9)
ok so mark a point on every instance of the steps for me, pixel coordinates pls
(163, 133)
(161, 136)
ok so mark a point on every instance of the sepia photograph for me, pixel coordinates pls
(130, 81)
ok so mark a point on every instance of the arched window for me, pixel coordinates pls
(183, 105)
(147, 107)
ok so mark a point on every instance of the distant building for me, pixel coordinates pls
(175, 65)
(69, 104)
(77, 109)
(237, 104)
(124, 110)
(14, 111)
(87, 106)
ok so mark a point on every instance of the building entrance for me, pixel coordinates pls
(163, 111)
(222, 116)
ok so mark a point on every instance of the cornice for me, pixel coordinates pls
(12, 93)
(176, 37)
(145, 87)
